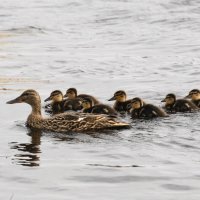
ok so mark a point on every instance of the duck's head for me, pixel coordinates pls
(55, 96)
(136, 103)
(169, 99)
(120, 96)
(87, 103)
(71, 93)
(30, 97)
(194, 94)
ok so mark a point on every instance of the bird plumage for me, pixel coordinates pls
(64, 122)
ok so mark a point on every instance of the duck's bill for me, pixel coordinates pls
(112, 99)
(17, 100)
(164, 100)
(66, 95)
(47, 99)
(187, 97)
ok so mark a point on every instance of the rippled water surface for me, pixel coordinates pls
(147, 48)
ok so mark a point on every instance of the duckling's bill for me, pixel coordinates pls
(112, 99)
(47, 99)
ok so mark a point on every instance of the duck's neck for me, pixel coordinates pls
(36, 109)
(34, 119)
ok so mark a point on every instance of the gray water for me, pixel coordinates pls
(147, 48)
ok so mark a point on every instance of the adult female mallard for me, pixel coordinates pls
(145, 111)
(71, 93)
(59, 105)
(173, 105)
(89, 107)
(121, 104)
(65, 122)
(195, 96)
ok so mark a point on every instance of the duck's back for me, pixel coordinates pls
(57, 107)
(103, 109)
(148, 111)
(183, 105)
(80, 122)
(83, 96)
(122, 106)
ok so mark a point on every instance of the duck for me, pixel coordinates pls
(173, 105)
(121, 105)
(57, 104)
(194, 95)
(60, 105)
(64, 122)
(89, 107)
(141, 110)
(72, 93)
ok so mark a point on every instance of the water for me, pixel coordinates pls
(148, 48)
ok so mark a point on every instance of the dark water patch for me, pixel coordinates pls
(178, 187)
(26, 30)
(20, 179)
(119, 179)
(114, 166)
(187, 146)
(31, 151)
(27, 160)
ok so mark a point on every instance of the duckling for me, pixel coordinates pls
(89, 107)
(145, 111)
(173, 105)
(57, 104)
(64, 122)
(195, 96)
(121, 104)
(71, 93)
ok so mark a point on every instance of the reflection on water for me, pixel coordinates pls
(29, 152)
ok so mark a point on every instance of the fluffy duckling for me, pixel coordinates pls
(60, 105)
(195, 96)
(121, 104)
(71, 93)
(173, 105)
(145, 111)
(65, 122)
(89, 107)
(57, 104)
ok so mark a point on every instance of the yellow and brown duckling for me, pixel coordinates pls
(71, 93)
(194, 95)
(121, 104)
(65, 122)
(89, 107)
(141, 110)
(173, 105)
(59, 104)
